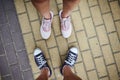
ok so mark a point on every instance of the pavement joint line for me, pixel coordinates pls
(91, 70)
(21, 13)
(112, 32)
(6, 75)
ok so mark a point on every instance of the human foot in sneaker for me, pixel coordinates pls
(70, 59)
(66, 26)
(41, 61)
(45, 28)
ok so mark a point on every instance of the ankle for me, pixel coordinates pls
(47, 16)
(66, 70)
(45, 71)
(64, 15)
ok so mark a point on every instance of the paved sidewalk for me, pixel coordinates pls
(14, 63)
(96, 33)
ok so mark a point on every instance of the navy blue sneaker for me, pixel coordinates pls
(70, 59)
(41, 61)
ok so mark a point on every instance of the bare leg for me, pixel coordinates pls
(44, 74)
(43, 7)
(69, 75)
(68, 6)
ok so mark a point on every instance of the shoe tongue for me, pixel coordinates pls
(47, 20)
(66, 18)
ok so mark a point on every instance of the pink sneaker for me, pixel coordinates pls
(45, 28)
(66, 26)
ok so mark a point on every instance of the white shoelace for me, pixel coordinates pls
(71, 59)
(66, 22)
(46, 25)
(41, 60)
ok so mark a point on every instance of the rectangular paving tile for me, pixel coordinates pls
(100, 65)
(109, 24)
(11, 54)
(91, 74)
(114, 41)
(18, 41)
(36, 29)
(82, 40)
(16, 73)
(43, 47)
(72, 38)
(54, 54)
(3, 18)
(115, 10)
(10, 6)
(32, 13)
(95, 47)
(13, 21)
(88, 61)
(62, 44)
(23, 60)
(51, 42)
(84, 9)
(5, 34)
(4, 67)
(89, 27)
(77, 22)
(20, 6)
(96, 15)
(29, 42)
(108, 55)
(117, 59)
(112, 69)
(104, 6)
(27, 75)
(24, 23)
(102, 35)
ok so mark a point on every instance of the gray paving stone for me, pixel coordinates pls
(3, 18)
(11, 54)
(16, 73)
(12, 46)
(18, 40)
(5, 34)
(23, 60)
(7, 78)
(13, 21)
(27, 75)
(4, 68)
(8, 4)
(1, 48)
